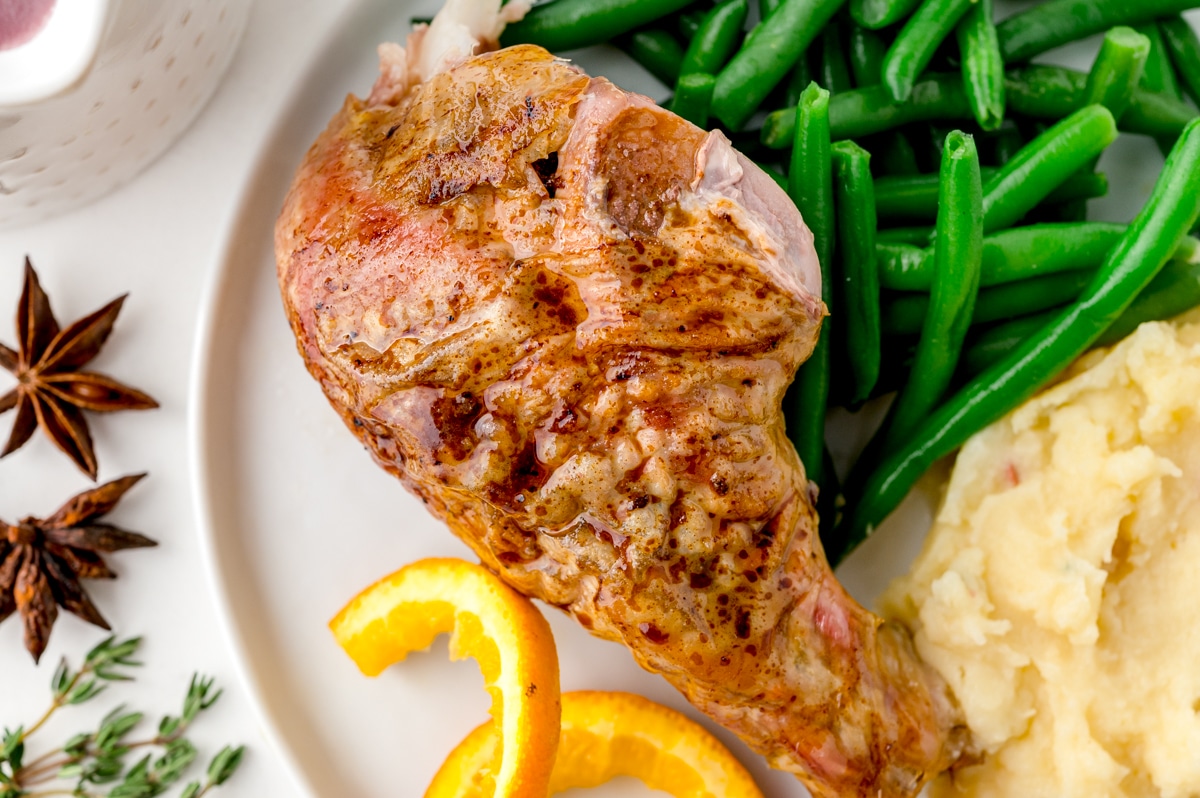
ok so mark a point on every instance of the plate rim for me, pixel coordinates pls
(200, 382)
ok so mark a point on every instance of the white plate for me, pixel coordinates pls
(297, 518)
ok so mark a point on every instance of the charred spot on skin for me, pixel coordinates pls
(552, 295)
(525, 476)
(741, 624)
(455, 417)
(653, 633)
(547, 169)
(700, 581)
(719, 485)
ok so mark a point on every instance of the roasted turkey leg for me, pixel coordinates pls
(566, 319)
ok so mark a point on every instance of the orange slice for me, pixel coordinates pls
(486, 620)
(606, 735)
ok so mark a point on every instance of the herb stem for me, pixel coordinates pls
(54, 707)
(43, 768)
(40, 771)
(36, 764)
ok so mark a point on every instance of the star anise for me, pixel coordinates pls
(42, 561)
(51, 391)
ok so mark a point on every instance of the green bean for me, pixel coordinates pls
(996, 342)
(1073, 211)
(1080, 186)
(860, 277)
(797, 81)
(1175, 290)
(1009, 256)
(982, 65)
(1048, 92)
(693, 95)
(913, 236)
(1007, 142)
(958, 250)
(769, 52)
(1038, 91)
(1173, 207)
(767, 7)
(876, 14)
(835, 70)
(571, 24)
(1021, 253)
(895, 156)
(916, 43)
(1057, 22)
(1117, 70)
(1184, 46)
(1159, 74)
(863, 112)
(1044, 164)
(810, 185)
(903, 266)
(688, 23)
(1157, 115)
(915, 197)
(658, 51)
(867, 50)
(716, 39)
(906, 314)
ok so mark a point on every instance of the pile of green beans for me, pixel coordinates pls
(946, 180)
(1150, 241)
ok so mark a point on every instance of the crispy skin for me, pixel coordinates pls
(586, 387)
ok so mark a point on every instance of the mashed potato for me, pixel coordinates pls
(1059, 590)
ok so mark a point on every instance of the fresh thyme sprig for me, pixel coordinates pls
(95, 759)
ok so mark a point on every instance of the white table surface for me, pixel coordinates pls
(157, 238)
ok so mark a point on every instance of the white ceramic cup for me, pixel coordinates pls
(100, 92)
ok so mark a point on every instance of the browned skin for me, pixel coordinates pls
(592, 400)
